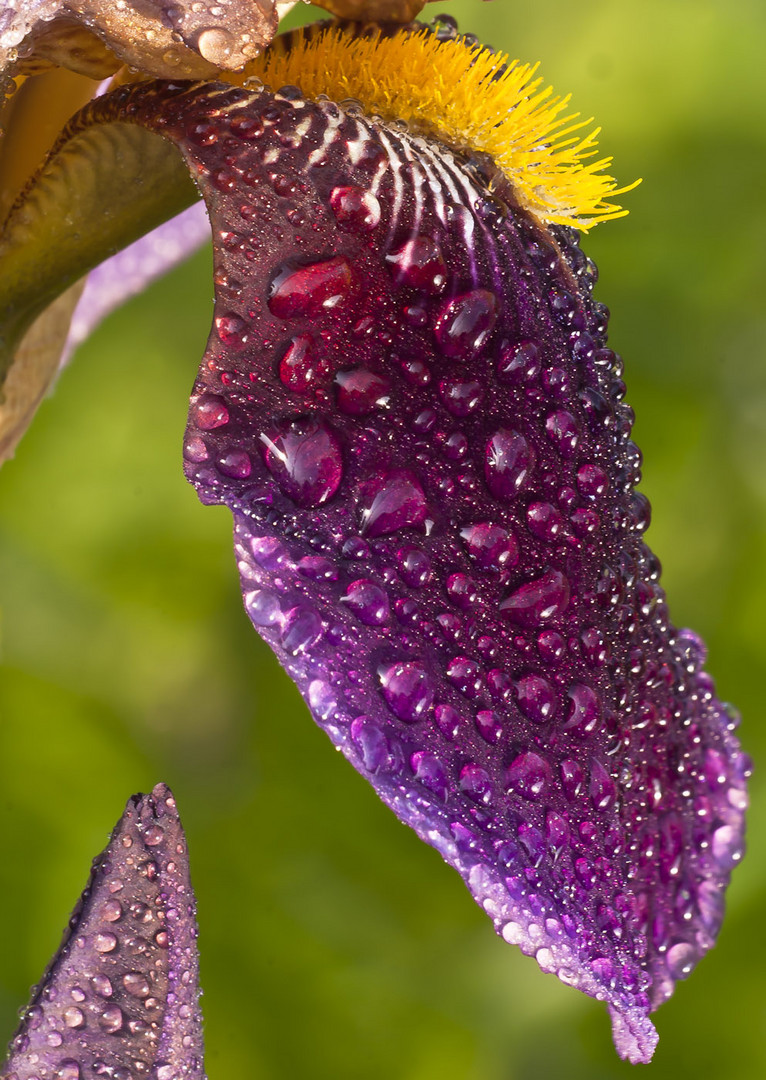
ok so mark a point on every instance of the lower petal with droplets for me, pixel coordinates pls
(408, 403)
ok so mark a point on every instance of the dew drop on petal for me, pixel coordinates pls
(399, 501)
(408, 690)
(508, 462)
(538, 601)
(304, 457)
(464, 325)
(306, 292)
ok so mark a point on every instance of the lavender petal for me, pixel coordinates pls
(133, 269)
(120, 997)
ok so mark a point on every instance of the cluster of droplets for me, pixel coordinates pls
(120, 999)
(409, 405)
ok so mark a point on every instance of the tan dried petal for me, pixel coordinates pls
(62, 42)
(34, 369)
(166, 38)
(374, 10)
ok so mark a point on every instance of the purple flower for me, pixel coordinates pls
(409, 405)
(120, 997)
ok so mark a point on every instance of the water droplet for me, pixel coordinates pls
(368, 602)
(301, 629)
(304, 457)
(544, 521)
(210, 412)
(246, 127)
(414, 567)
(136, 984)
(728, 847)
(461, 397)
(536, 698)
(68, 1070)
(583, 713)
(538, 601)
(681, 959)
(419, 264)
(551, 647)
(232, 330)
(154, 835)
(602, 787)
(360, 392)
(519, 363)
(371, 741)
(476, 783)
(102, 986)
(528, 775)
(399, 501)
(508, 460)
(301, 367)
(215, 45)
(561, 429)
(270, 553)
(556, 830)
(355, 208)
(407, 689)
(104, 942)
(308, 291)
(464, 325)
(585, 521)
(449, 720)
(572, 779)
(263, 607)
(462, 591)
(111, 911)
(317, 568)
(431, 773)
(592, 481)
(73, 1017)
(489, 726)
(492, 546)
(465, 675)
(235, 464)
(322, 700)
(111, 1020)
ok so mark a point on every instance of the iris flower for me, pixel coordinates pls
(409, 405)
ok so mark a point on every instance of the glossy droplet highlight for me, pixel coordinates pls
(398, 501)
(355, 208)
(492, 546)
(419, 264)
(304, 457)
(360, 392)
(508, 460)
(528, 775)
(368, 602)
(301, 367)
(538, 601)
(407, 689)
(306, 292)
(464, 325)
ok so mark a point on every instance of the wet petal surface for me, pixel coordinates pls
(120, 998)
(448, 557)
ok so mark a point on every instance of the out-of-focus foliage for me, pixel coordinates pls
(334, 944)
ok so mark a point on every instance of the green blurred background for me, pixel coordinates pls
(334, 944)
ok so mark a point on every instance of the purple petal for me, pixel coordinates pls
(408, 404)
(133, 269)
(120, 998)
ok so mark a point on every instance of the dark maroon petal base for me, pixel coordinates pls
(120, 998)
(408, 404)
